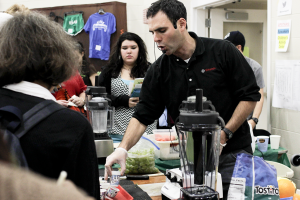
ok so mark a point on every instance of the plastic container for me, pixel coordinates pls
(122, 194)
(112, 191)
(164, 135)
(262, 143)
(169, 150)
(115, 178)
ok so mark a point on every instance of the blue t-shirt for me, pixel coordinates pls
(100, 27)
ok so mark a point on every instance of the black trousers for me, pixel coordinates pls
(226, 167)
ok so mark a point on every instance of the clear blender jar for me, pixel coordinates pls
(97, 114)
(101, 116)
(198, 130)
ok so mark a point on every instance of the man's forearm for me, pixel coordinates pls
(134, 132)
(259, 105)
(241, 112)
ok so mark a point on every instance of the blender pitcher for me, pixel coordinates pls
(100, 114)
(97, 114)
(199, 131)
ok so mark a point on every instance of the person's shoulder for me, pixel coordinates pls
(213, 40)
(215, 43)
(77, 118)
(14, 178)
(160, 59)
(252, 62)
(74, 123)
(157, 64)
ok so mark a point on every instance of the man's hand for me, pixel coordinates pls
(118, 156)
(133, 101)
(132, 135)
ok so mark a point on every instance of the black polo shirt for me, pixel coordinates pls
(217, 67)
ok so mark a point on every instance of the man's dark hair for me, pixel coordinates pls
(172, 8)
(34, 48)
(116, 62)
(236, 38)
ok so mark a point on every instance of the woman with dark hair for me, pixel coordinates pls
(43, 59)
(87, 71)
(127, 62)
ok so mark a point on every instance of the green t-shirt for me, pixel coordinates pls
(73, 24)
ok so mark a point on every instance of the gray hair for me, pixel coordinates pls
(34, 48)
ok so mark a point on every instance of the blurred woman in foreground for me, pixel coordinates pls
(36, 55)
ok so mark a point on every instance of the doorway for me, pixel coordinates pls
(253, 33)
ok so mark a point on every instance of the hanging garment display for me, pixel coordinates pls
(100, 27)
(73, 24)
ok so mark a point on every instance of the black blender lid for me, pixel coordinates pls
(100, 103)
(198, 111)
(96, 90)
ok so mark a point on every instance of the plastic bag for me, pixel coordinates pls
(141, 158)
(253, 178)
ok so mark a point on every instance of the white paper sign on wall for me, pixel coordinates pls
(283, 35)
(287, 85)
(284, 7)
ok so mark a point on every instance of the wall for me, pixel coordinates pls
(134, 15)
(285, 122)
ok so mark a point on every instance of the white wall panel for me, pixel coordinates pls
(283, 121)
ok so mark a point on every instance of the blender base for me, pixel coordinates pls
(199, 192)
(104, 147)
(172, 188)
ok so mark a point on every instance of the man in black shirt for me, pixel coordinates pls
(191, 62)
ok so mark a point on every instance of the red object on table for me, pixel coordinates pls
(122, 194)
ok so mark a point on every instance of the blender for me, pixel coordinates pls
(100, 114)
(199, 132)
(198, 129)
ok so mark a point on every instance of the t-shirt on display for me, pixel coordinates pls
(100, 27)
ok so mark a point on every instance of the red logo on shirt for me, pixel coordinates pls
(206, 70)
(211, 69)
